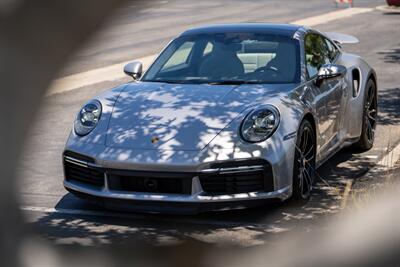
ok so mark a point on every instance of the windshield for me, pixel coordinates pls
(228, 58)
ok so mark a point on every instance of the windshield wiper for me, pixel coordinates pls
(190, 81)
(201, 81)
(232, 82)
(167, 81)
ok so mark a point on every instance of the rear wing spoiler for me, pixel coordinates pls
(340, 38)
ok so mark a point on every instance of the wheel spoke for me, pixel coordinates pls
(308, 176)
(309, 160)
(371, 117)
(306, 182)
(310, 150)
(371, 96)
(305, 141)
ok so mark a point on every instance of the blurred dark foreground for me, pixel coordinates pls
(37, 37)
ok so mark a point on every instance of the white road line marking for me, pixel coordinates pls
(331, 16)
(114, 72)
(108, 214)
(390, 9)
(391, 158)
(109, 73)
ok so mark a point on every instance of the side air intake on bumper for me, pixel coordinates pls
(237, 177)
(79, 169)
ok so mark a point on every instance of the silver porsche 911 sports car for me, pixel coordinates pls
(227, 116)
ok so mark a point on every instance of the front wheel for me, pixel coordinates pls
(369, 118)
(304, 163)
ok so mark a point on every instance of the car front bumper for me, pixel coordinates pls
(224, 185)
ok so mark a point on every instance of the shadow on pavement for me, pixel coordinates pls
(389, 105)
(391, 56)
(391, 13)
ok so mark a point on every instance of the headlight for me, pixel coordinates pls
(87, 118)
(260, 124)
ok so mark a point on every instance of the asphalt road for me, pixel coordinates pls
(65, 219)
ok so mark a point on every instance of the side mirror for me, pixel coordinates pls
(134, 69)
(329, 71)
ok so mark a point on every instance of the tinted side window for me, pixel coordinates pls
(316, 52)
(180, 56)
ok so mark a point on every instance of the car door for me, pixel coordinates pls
(343, 92)
(329, 93)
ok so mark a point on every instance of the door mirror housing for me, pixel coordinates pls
(134, 69)
(328, 71)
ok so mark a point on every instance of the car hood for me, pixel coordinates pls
(175, 117)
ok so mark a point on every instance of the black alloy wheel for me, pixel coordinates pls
(304, 163)
(370, 116)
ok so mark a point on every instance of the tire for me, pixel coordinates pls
(369, 118)
(304, 163)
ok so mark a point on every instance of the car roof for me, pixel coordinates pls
(269, 28)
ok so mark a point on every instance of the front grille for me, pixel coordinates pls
(242, 177)
(75, 171)
(222, 178)
(170, 183)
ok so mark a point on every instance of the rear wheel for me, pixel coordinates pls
(304, 163)
(369, 118)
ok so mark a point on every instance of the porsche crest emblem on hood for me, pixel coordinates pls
(154, 140)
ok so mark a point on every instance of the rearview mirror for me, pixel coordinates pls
(134, 69)
(328, 71)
